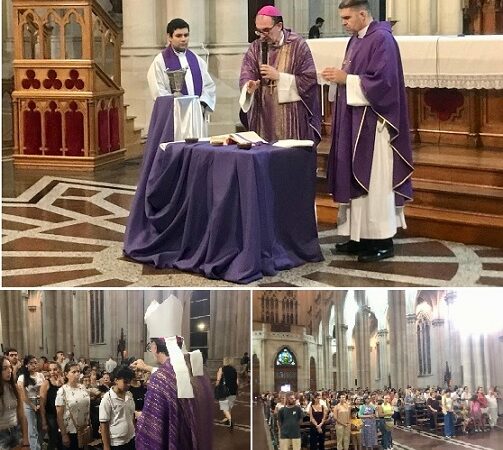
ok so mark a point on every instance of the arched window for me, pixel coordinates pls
(285, 358)
(423, 345)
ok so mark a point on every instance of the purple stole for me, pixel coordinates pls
(173, 63)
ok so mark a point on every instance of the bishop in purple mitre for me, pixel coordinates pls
(278, 82)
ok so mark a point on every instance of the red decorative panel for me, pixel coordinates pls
(52, 80)
(53, 132)
(115, 143)
(74, 131)
(30, 80)
(32, 131)
(74, 81)
(103, 130)
(444, 102)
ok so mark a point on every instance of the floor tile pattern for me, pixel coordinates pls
(68, 232)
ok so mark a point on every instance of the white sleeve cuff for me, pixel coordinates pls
(354, 92)
(287, 88)
(245, 99)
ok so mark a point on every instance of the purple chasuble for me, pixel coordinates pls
(171, 423)
(172, 62)
(293, 120)
(376, 60)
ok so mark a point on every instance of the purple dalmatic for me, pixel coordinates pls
(171, 423)
(172, 62)
(376, 60)
(293, 120)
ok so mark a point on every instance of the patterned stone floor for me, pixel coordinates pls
(69, 232)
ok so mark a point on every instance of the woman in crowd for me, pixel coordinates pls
(448, 410)
(228, 375)
(476, 406)
(72, 407)
(492, 408)
(342, 417)
(12, 420)
(397, 404)
(434, 407)
(318, 414)
(367, 414)
(386, 422)
(29, 382)
(48, 393)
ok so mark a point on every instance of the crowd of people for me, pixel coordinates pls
(68, 403)
(365, 419)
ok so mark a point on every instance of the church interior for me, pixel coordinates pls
(76, 110)
(375, 339)
(41, 323)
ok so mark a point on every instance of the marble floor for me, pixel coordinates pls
(68, 231)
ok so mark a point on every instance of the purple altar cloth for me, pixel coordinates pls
(226, 213)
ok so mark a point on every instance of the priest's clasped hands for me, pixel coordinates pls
(267, 72)
(334, 75)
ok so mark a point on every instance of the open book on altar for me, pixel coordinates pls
(246, 137)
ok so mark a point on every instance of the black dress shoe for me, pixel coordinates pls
(376, 254)
(348, 248)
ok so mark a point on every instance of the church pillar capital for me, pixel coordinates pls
(411, 318)
(382, 333)
(438, 322)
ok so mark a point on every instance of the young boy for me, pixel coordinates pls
(117, 413)
(356, 430)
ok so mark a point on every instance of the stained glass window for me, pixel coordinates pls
(285, 358)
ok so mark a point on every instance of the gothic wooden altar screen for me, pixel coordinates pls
(67, 101)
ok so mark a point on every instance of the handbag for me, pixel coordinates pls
(221, 390)
(84, 435)
(84, 432)
(389, 424)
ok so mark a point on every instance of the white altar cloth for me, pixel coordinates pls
(462, 62)
(188, 118)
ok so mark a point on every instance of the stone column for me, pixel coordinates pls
(135, 338)
(412, 360)
(382, 338)
(333, 24)
(351, 366)
(397, 341)
(437, 351)
(229, 324)
(424, 17)
(450, 17)
(227, 43)
(327, 345)
(144, 30)
(479, 361)
(400, 10)
(13, 312)
(467, 361)
(81, 321)
(342, 344)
